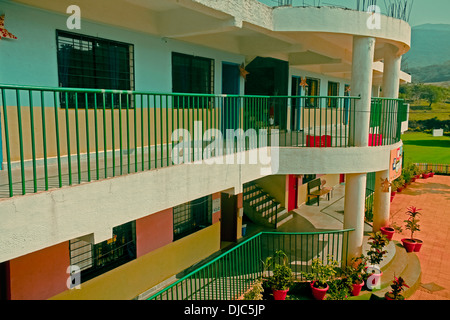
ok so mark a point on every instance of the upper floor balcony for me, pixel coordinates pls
(54, 137)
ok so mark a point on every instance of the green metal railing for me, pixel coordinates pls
(231, 274)
(54, 137)
(386, 117)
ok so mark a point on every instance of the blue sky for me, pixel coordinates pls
(423, 11)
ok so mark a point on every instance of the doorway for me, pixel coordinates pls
(292, 192)
(230, 105)
(228, 221)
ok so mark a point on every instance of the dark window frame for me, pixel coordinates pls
(333, 91)
(192, 216)
(312, 102)
(192, 75)
(106, 255)
(94, 63)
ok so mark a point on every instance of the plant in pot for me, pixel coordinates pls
(281, 278)
(388, 231)
(412, 224)
(339, 289)
(406, 175)
(321, 273)
(397, 289)
(355, 273)
(400, 184)
(375, 255)
(256, 291)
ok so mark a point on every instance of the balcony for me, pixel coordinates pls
(56, 137)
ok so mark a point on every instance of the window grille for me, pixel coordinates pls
(94, 63)
(95, 259)
(191, 74)
(192, 216)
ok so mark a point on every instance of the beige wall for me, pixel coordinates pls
(164, 122)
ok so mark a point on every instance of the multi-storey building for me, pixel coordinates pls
(108, 164)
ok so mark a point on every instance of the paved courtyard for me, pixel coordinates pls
(432, 196)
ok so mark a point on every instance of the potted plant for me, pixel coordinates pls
(388, 231)
(321, 273)
(375, 255)
(355, 273)
(256, 291)
(425, 174)
(281, 278)
(400, 184)
(339, 289)
(415, 171)
(412, 224)
(397, 288)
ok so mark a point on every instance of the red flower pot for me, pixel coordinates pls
(280, 294)
(392, 198)
(388, 232)
(318, 293)
(431, 174)
(356, 288)
(425, 175)
(409, 244)
(413, 179)
(418, 245)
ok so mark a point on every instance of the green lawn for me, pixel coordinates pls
(424, 148)
(440, 110)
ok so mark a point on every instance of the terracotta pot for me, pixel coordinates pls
(418, 245)
(409, 244)
(388, 232)
(318, 293)
(356, 288)
(280, 294)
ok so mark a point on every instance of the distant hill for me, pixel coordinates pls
(431, 74)
(429, 57)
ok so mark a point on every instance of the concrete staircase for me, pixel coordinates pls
(262, 208)
(402, 264)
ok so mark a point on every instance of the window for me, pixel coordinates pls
(192, 216)
(95, 259)
(94, 63)
(312, 90)
(333, 91)
(191, 74)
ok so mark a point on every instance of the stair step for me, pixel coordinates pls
(403, 264)
(264, 203)
(267, 210)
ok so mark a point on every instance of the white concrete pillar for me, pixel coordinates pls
(390, 89)
(355, 195)
(391, 73)
(381, 202)
(361, 85)
(355, 184)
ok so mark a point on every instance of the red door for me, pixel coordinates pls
(292, 192)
